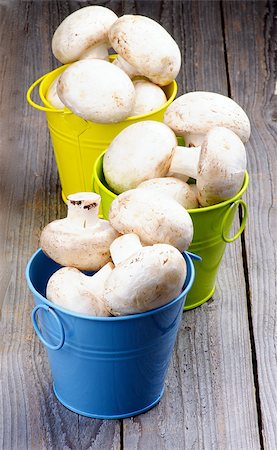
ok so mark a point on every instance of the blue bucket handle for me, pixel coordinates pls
(38, 331)
(194, 256)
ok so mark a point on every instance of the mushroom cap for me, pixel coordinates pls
(97, 90)
(221, 167)
(148, 96)
(83, 29)
(154, 217)
(68, 288)
(175, 188)
(147, 46)
(52, 95)
(74, 246)
(149, 279)
(195, 113)
(141, 151)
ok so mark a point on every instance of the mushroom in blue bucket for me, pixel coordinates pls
(179, 190)
(156, 218)
(80, 293)
(144, 277)
(81, 240)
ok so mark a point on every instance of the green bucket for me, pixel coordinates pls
(212, 225)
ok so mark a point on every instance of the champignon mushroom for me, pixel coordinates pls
(147, 46)
(144, 278)
(193, 114)
(52, 95)
(154, 217)
(97, 90)
(80, 240)
(83, 34)
(148, 96)
(218, 165)
(140, 152)
(77, 292)
(177, 189)
(148, 149)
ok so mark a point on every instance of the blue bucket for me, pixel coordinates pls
(105, 367)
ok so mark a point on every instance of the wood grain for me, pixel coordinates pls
(251, 71)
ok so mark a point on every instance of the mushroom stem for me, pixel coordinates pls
(130, 70)
(185, 161)
(98, 52)
(97, 281)
(83, 209)
(124, 247)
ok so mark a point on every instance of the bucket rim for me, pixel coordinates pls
(59, 69)
(187, 256)
(190, 211)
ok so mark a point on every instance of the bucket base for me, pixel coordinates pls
(103, 416)
(203, 300)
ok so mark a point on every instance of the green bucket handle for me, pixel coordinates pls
(235, 204)
(40, 107)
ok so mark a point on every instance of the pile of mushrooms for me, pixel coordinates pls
(214, 128)
(137, 269)
(108, 92)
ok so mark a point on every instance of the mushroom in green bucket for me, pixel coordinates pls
(80, 240)
(149, 149)
(193, 114)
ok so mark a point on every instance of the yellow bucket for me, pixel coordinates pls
(77, 143)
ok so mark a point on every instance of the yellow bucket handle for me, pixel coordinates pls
(243, 223)
(42, 108)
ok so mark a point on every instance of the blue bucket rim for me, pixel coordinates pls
(188, 257)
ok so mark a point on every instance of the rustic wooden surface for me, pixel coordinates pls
(221, 386)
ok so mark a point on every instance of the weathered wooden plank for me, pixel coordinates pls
(209, 402)
(251, 69)
(30, 416)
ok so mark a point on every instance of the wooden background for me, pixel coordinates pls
(221, 387)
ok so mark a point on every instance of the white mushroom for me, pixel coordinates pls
(97, 90)
(52, 95)
(80, 240)
(218, 165)
(77, 292)
(147, 47)
(140, 152)
(83, 34)
(180, 191)
(154, 217)
(148, 96)
(193, 114)
(144, 278)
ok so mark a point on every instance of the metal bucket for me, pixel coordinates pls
(212, 225)
(105, 367)
(77, 142)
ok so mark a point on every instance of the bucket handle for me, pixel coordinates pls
(40, 107)
(242, 226)
(38, 331)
